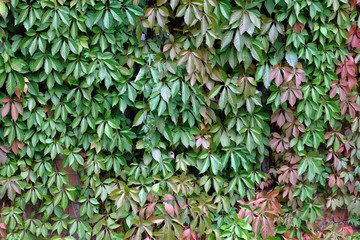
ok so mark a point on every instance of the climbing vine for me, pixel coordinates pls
(179, 119)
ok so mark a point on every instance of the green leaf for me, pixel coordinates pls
(156, 153)
(165, 93)
(215, 164)
(138, 11)
(108, 131)
(302, 167)
(205, 165)
(10, 84)
(139, 118)
(291, 58)
(214, 91)
(227, 38)
(3, 9)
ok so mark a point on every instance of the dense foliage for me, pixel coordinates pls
(185, 119)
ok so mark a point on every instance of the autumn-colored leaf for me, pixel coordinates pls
(169, 209)
(267, 228)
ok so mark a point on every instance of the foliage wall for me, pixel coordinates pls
(169, 110)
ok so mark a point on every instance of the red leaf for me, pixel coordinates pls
(289, 115)
(278, 79)
(4, 148)
(5, 109)
(342, 94)
(19, 108)
(288, 74)
(293, 177)
(281, 120)
(274, 72)
(17, 92)
(186, 233)
(169, 209)
(275, 116)
(14, 112)
(3, 157)
(352, 111)
(332, 92)
(268, 227)
(340, 182)
(14, 147)
(343, 109)
(168, 197)
(256, 225)
(280, 148)
(295, 132)
(355, 106)
(298, 27)
(284, 96)
(329, 156)
(298, 93)
(274, 142)
(150, 209)
(292, 99)
(331, 180)
(346, 230)
(6, 99)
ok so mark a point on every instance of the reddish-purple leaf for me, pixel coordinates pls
(186, 233)
(256, 225)
(289, 115)
(284, 96)
(14, 147)
(20, 145)
(168, 197)
(4, 149)
(280, 147)
(14, 112)
(297, 93)
(332, 92)
(274, 72)
(292, 98)
(5, 109)
(19, 108)
(3, 157)
(169, 209)
(278, 79)
(267, 228)
(295, 132)
(274, 142)
(331, 180)
(343, 109)
(281, 120)
(288, 74)
(342, 94)
(355, 106)
(150, 209)
(6, 99)
(340, 182)
(293, 177)
(17, 92)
